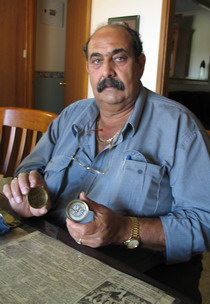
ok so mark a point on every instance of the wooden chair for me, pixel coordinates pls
(20, 129)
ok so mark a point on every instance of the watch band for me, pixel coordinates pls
(134, 239)
(135, 227)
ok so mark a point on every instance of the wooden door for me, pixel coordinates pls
(16, 52)
(77, 33)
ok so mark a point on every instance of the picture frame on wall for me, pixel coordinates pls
(132, 21)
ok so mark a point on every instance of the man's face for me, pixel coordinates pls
(114, 70)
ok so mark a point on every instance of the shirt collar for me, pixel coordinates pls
(86, 121)
(135, 117)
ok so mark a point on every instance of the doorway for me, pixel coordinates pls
(164, 81)
(61, 76)
(189, 91)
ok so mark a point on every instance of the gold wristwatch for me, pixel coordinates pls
(134, 239)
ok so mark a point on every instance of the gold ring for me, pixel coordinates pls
(79, 242)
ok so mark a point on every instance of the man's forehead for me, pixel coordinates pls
(109, 41)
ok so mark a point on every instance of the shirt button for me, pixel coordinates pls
(140, 171)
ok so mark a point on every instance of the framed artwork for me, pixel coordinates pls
(132, 21)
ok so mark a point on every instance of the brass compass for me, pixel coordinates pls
(37, 197)
(77, 210)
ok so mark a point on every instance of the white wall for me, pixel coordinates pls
(150, 19)
(200, 44)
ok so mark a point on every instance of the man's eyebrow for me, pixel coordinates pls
(115, 51)
(95, 55)
(120, 50)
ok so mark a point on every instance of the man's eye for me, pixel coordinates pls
(119, 58)
(96, 61)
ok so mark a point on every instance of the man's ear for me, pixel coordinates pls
(141, 61)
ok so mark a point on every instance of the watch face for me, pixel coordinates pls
(133, 244)
(77, 210)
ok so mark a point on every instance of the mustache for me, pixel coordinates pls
(107, 82)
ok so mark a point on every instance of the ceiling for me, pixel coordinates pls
(190, 5)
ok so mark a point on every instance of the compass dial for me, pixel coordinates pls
(77, 210)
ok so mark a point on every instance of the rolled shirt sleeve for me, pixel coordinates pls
(187, 226)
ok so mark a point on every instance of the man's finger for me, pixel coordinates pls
(93, 206)
(35, 179)
(16, 190)
(23, 183)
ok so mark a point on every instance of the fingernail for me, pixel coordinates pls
(43, 211)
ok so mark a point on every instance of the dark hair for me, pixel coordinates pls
(136, 41)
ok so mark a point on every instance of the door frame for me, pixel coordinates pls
(77, 31)
(165, 46)
(30, 47)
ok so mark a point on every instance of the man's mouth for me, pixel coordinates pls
(110, 83)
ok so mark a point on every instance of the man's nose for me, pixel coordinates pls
(108, 69)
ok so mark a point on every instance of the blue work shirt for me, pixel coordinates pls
(159, 166)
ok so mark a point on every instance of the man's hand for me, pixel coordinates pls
(17, 190)
(107, 227)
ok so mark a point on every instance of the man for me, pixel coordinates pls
(140, 161)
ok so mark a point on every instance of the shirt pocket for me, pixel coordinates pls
(140, 184)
